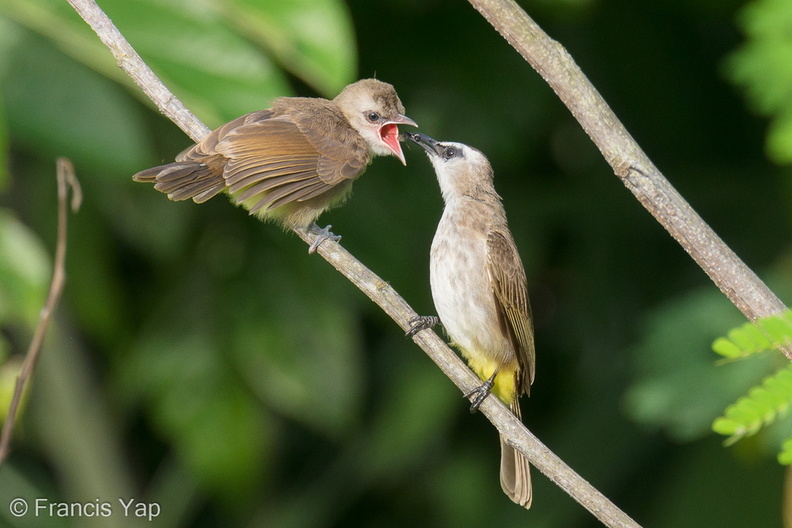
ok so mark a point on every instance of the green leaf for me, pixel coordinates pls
(726, 426)
(777, 328)
(760, 407)
(726, 348)
(313, 39)
(25, 270)
(748, 339)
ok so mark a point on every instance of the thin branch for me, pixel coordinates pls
(390, 301)
(66, 179)
(549, 58)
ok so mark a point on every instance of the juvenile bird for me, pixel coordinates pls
(479, 290)
(293, 161)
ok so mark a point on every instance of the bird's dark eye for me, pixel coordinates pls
(450, 152)
(373, 117)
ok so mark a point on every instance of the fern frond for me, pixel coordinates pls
(769, 333)
(760, 407)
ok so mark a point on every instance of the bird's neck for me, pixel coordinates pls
(458, 197)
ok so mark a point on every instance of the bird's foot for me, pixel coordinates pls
(420, 323)
(322, 234)
(480, 393)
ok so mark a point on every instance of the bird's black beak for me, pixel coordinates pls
(430, 145)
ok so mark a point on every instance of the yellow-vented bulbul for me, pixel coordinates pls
(293, 161)
(479, 290)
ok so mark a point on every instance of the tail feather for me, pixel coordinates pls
(184, 180)
(515, 473)
(148, 175)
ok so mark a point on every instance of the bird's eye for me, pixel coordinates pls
(450, 152)
(373, 117)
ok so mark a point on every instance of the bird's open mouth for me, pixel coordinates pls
(390, 136)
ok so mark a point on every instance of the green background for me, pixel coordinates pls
(204, 361)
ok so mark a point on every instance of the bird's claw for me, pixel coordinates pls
(322, 234)
(480, 393)
(420, 323)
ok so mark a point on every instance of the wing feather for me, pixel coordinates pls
(258, 167)
(511, 295)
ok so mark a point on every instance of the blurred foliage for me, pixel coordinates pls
(763, 66)
(204, 361)
(678, 387)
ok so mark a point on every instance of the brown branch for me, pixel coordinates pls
(66, 179)
(386, 298)
(730, 274)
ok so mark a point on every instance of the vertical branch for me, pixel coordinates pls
(549, 58)
(66, 179)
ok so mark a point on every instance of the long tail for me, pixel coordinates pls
(515, 473)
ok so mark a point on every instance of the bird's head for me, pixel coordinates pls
(373, 109)
(460, 169)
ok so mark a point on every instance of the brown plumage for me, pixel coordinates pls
(293, 161)
(480, 292)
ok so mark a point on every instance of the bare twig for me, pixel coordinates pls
(741, 285)
(388, 299)
(66, 179)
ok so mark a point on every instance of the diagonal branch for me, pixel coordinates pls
(66, 179)
(730, 274)
(377, 290)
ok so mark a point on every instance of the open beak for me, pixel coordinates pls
(389, 133)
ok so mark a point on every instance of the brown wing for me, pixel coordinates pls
(198, 170)
(511, 294)
(282, 158)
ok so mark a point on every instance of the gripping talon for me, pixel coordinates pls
(322, 234)
(420, 323)
(480, 393)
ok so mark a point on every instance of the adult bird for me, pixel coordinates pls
(293, 161)
(479, 291)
